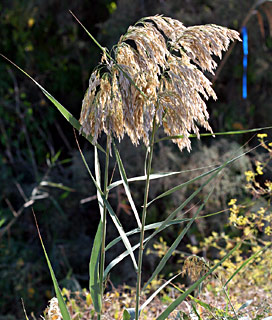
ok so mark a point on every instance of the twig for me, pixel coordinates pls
(11, 207)
(22, 117)
(21, 191)
(63, 137)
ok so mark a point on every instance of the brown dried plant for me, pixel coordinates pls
(157, 71)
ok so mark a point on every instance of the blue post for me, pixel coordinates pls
(245, 54)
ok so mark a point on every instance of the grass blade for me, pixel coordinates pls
(94, 270)
(63, 309)
(98, 181)
(67, 115)
(183, 296)
(147, 227)
(157, 225)
(126, 186)
(113, 215)
(171, 216)
(24, 309)
(182, 185)
(129, 314)
(206, 306)
(164, 224)
(214, 134)
(176, 243)
(245, 263)
(121, 231)
(152, 226)
(146, 303)
(154, 176)
(119, 258)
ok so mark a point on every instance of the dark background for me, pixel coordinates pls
(37, 144)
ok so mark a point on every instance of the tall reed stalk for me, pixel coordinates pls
(159, 81)
(104, 226)
(146, 192)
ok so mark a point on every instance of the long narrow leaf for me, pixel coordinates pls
(146, 303)
(121, 231)
(183, 296)
(98, 181)
(182, 185)
(246, 262)
(67, 115)
(200, 302)
(214, 134)
(94, 270)
(126, 186)
(63, 309)
(146, 228)
(24, 309)
(157, 225)
(174, 245)
(171, 216)
(154, 176)
(162, 225)
(152, 226)
(119, 258)
(110, 210)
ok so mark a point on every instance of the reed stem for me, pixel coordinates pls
(104, 222)
(141, 248)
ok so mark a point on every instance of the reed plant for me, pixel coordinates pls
(153, 77)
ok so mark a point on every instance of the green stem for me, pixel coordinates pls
(141, 248)
(102, 257)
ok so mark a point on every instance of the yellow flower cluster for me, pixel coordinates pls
(234, 212)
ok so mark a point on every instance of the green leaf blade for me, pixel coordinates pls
(63, 309)
(126, 186)
(94, 284)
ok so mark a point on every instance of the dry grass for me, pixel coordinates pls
(259, 307)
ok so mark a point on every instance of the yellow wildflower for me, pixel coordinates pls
(232, 202)
(261, 211)
(259, 167)
(261, 135)
(241, 220)
(249, 175)
(268, 231)
(247, 231)
(30, 22)
(268, 184)
(232, 218)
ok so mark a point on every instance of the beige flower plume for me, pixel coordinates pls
(157, 71)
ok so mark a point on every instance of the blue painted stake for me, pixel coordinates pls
(245, 54)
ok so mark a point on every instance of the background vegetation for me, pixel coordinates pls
(39, 162)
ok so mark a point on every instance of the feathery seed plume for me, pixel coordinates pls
(157, 71)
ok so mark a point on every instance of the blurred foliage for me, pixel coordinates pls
(37, 146)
